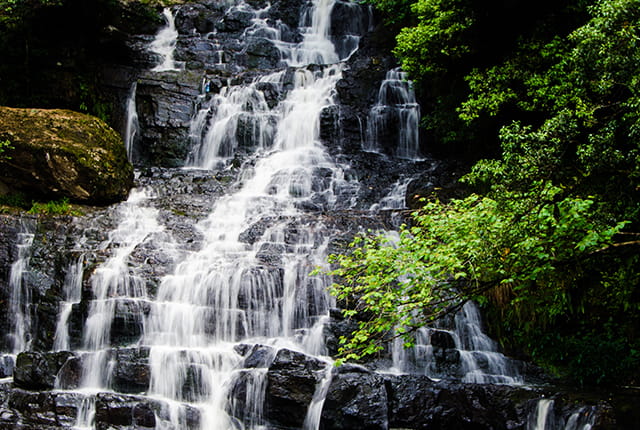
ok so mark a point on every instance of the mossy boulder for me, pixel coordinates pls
(63, 154)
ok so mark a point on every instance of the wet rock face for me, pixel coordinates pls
(418, 402)
(291, 383)
(218, 44)
(58, 153)
(39, 410)
(117, 411)
(357, 399)
(131, 373)
(164, 103)
(38, 371)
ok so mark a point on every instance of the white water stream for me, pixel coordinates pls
(544, 417)
(132, 126)
(20, 299)
(223, 294)
(395, 116)
(164, 44)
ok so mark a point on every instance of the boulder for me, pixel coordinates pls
(131, 372)
(418, 402)
(37, 370)
(47, 410)
(60, 153)
(291, 382)
(357, 399)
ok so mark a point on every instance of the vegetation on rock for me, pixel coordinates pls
(548, 238)
(63, 154)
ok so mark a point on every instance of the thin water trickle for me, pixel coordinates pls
(164, 44)
(72, 292)
(392, 125)
(132, 125)
(20, 299)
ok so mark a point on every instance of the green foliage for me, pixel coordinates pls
(394, 12)
(59, 207)
(91, 103)
(532, 243)
(14, 10)
(438, 40)
(16, 200)
(5, 145)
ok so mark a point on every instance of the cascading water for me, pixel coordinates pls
(20, 300)
(113, 284)
(457, 347)
(546, 417)
(132, 125)
(224, 293)
(72, 295)
(394, 118)
(164, 44)
(482, 363)
(477, 355)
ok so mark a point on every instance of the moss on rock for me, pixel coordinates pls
(60, 153)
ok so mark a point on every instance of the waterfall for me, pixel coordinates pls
(546, 417)
(224, 293)
(132, 125)
(72, 292)
(185, 297)
(457, 346)
(113, 284)
(479, 359)
(312, 420)
(394, 118)
(164, 44)
(482, 363)
(20, 299)
(541, 416)
(215, 129)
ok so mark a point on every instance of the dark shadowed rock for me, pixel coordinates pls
(164, 103)
(291, 383)
(113, 410)
(60, 153)
(357, 399)
(258, 356)
(131, 372)
(417, 402)
(36, 370)
(126, 327)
